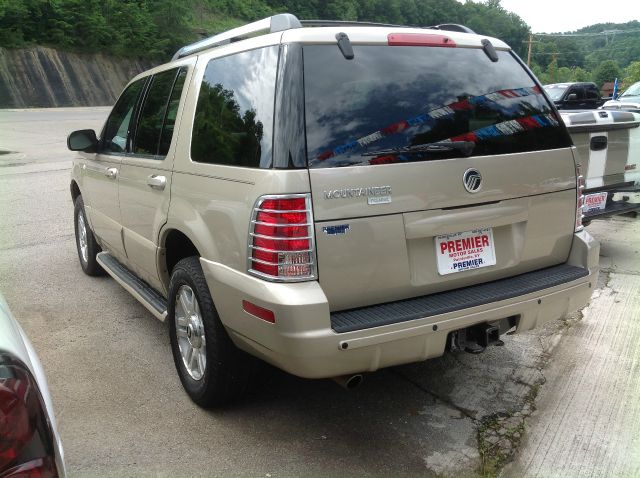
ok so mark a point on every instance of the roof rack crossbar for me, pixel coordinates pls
(453, 27)
(275, 23)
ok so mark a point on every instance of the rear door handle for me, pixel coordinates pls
(111, 173)
(157, 182)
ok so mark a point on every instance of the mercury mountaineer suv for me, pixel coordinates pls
(334, 198)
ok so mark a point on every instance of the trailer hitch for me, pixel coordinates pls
(475, 339)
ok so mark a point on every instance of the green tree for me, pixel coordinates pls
(606, 71)
(170, 21)
(12, 15)
(579, 74)
(543, 51)
(342, 10)
(491, 19)
(156, 28)
(564, 75)
(540, 74)
(632, 73)
(552, 70)
(571, 53)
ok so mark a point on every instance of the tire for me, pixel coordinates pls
(86, 243)
(219, 374)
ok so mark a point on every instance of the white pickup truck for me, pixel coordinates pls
(608, 143)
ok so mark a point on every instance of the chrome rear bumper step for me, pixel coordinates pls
(146, 295)
(453, 300)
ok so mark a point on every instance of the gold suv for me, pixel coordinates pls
(334, 198)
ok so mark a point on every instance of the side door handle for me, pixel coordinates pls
(111, 173)
(157, 182)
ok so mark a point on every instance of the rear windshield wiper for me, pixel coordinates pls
(464, 147)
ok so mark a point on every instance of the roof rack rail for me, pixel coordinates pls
(452, 27)
(347, 23)
(275, 23)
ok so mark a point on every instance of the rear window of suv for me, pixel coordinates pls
(403, 103)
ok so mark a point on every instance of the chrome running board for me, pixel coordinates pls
(143, 292)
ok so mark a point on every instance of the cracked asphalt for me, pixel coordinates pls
(122, 412)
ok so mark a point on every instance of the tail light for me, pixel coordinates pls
(281, 240)
(579, 197)
(26, 436)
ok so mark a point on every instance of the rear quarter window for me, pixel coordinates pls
(391, 98)
(233, 123)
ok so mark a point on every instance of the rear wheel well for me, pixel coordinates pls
(75, 191)
(177, 247)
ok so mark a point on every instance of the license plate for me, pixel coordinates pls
(464, 251)
(595, 202)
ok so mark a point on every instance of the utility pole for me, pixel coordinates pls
(530, 42)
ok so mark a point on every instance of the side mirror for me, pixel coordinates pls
(572, 97)
(83, 140)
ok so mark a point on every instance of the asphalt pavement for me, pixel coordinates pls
(122, 412)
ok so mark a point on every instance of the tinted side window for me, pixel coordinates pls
(234, 116)
(172, 111)
(592, 93)
(578, 91)
(116, 130)
(152, 113)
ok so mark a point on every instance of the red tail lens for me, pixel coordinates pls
(26, 438)
(288, 204)
(265, 256)
(420, 39)
(280, 230)
(282, 217)
(281, 246)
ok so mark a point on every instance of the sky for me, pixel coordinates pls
(551, 16)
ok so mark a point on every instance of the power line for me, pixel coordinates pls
(602, 33)
(563, 53)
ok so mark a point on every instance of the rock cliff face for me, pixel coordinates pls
(44, 77)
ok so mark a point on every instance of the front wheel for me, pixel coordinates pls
(86, 243)
(212, 370)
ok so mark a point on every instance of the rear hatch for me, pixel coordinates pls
(431, 168)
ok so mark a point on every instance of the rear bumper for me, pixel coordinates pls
(303, 342)
(614, 207)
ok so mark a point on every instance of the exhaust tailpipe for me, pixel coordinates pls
(349, 382)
